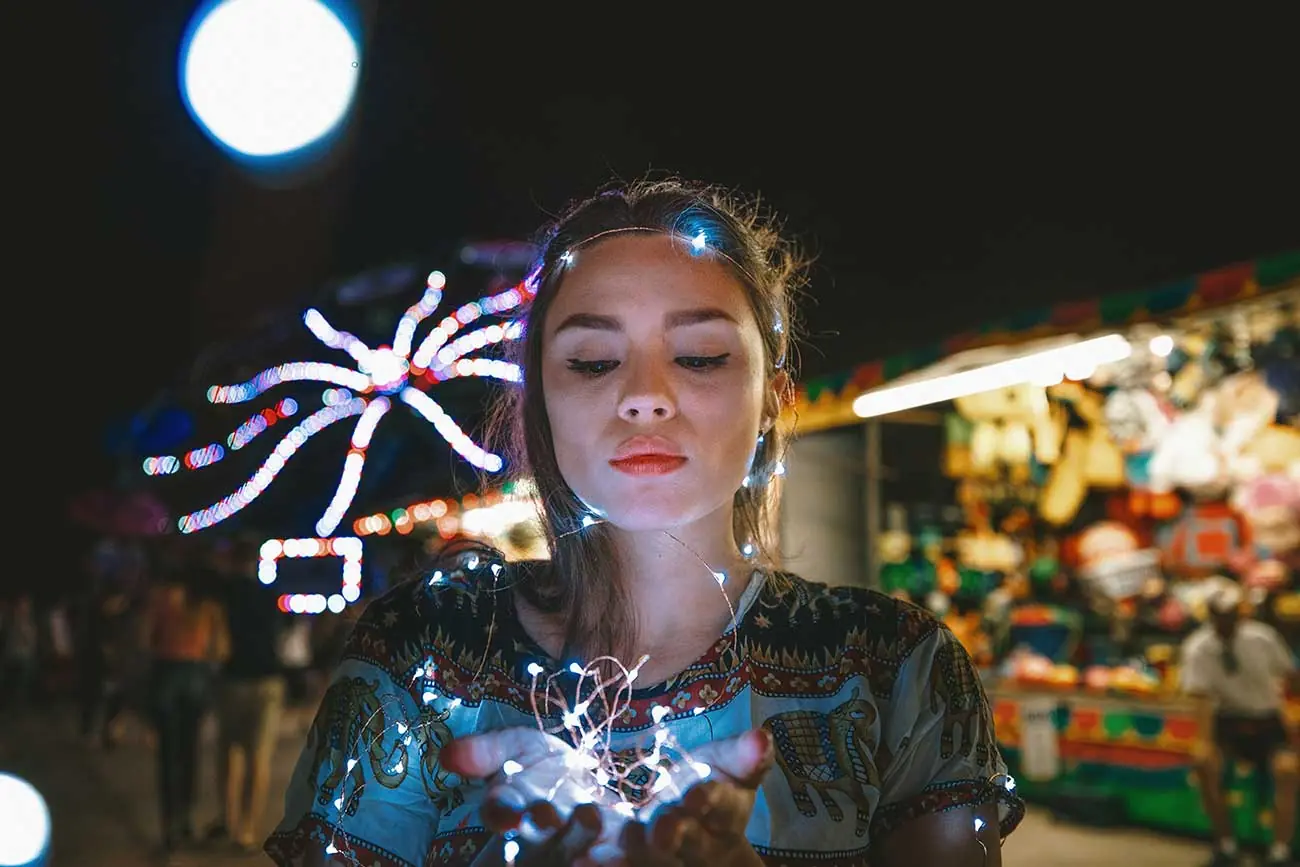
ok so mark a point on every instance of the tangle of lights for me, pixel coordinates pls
(583, 713)
(366, 391)
(576, 705)
(348, 548)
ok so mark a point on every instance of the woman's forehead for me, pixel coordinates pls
(644, 273)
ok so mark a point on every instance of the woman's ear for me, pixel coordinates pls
(780, 394)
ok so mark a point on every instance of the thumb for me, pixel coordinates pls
(480, 756)
(744, 759)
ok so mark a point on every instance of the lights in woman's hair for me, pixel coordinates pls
(720, 577)
(778, 469)
(699, 242)
(748, 550)
(587, 520)
(534, 669)
(979, 824)
(566, 258)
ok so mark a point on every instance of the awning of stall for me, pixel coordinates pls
(827, 401)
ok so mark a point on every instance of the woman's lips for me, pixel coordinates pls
(648, 465)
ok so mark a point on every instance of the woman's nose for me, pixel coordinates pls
(647, 397)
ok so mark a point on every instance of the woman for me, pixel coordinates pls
(770, 720)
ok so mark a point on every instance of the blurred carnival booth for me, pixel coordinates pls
(1065, 489)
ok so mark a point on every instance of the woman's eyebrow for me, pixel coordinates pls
(674, 319)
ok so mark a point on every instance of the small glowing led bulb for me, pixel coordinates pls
(511, 767)
(534, 669)
(699, 241)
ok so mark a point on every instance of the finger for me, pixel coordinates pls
(635, 843)
(499, 817)
(544, 815)
(701, 798)
(722, 808)
(670, 829)
(480, 756)
(580, 833)
(744, 759)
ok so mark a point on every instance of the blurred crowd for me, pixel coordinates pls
(152, 640)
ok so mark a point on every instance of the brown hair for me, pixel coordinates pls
(598, 615)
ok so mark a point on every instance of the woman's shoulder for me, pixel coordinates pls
(449, 604)
(885, 627)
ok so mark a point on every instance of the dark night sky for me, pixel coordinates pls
(944, 172)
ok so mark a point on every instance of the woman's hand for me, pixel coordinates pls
(538, 792)
(706, 827)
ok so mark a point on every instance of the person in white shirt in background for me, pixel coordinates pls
(1241, 667)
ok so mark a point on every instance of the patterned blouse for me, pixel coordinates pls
(876, 711)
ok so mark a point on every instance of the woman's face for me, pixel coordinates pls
(654, 376)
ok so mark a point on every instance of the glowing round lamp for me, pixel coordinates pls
(24, 824)
(266, 78)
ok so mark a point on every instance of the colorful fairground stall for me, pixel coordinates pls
(1093, 472)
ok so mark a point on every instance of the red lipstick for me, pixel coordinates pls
(647, 456)
(648, 465)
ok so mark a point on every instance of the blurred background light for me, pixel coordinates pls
(24, 823)
(265, 78)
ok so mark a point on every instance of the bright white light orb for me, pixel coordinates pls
(268, 77)
(386, 369)
(1161, 345)
(24, 823)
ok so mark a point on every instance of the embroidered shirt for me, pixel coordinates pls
(876, 711)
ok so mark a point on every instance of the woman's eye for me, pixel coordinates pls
(702, 362)
(591, 368)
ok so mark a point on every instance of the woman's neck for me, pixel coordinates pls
(670, 581)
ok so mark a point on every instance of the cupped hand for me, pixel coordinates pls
(537, 792)
(705, 827)
(562, 818)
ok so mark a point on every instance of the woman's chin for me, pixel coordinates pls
(647, 516)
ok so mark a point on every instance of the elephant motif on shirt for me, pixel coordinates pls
(432, 733)
(956, 693)
(350, 727)
(829, 753)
